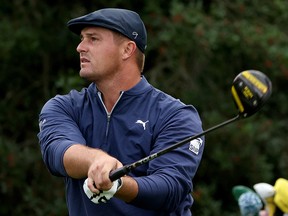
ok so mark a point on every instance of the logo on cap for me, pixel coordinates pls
(135, 34)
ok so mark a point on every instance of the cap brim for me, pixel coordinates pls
(77, 27)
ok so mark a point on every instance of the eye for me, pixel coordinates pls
(94, 38)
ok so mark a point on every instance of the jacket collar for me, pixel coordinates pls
(140, 88)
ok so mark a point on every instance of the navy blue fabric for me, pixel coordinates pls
(165, 183)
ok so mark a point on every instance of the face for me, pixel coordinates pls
(99, 54)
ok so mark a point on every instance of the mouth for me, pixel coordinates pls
(84, 60)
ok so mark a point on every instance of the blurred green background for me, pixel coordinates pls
(195, 49)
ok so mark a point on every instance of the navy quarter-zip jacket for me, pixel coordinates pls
(144, 120)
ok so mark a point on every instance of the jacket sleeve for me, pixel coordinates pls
(168, 183)
(58, 131)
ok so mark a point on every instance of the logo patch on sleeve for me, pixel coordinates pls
(195, 145)
(41, 124)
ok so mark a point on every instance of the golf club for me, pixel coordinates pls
(266, 193)
(281, 194)
(264, 190)
(238, 190)
(250, 90)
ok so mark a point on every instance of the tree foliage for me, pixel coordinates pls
(195, 49)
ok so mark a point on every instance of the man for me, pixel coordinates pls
(119, 119)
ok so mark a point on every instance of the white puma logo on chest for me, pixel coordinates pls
(142, 123)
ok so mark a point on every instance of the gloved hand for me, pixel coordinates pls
(103, 196)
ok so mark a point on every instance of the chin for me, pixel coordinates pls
(86, 76)
(84, 72)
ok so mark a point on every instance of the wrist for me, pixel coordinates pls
(128, 190)
(120, 183)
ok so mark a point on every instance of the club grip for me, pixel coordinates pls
(118, 173)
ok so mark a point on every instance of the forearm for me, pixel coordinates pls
(129, 189)
(77, 160)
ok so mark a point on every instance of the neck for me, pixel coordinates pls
(112, 88)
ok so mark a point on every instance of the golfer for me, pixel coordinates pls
(118, 119)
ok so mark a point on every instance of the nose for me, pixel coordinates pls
(81, 47)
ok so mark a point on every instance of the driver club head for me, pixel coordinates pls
(264, 190)
(250, 90)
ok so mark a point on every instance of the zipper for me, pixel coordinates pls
(109, 113)
(108, 123)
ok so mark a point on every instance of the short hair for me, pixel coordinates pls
(140, 57)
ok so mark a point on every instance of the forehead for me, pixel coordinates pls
(95, 30)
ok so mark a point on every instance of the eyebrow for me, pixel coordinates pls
(89, 34)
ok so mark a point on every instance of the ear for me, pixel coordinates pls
(129, 49)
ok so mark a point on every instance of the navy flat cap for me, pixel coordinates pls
(126, 22)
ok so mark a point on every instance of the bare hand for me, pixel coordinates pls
(99, 170)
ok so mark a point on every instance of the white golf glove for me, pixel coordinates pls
(103, 196)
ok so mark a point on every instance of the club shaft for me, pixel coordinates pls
(118, 173)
